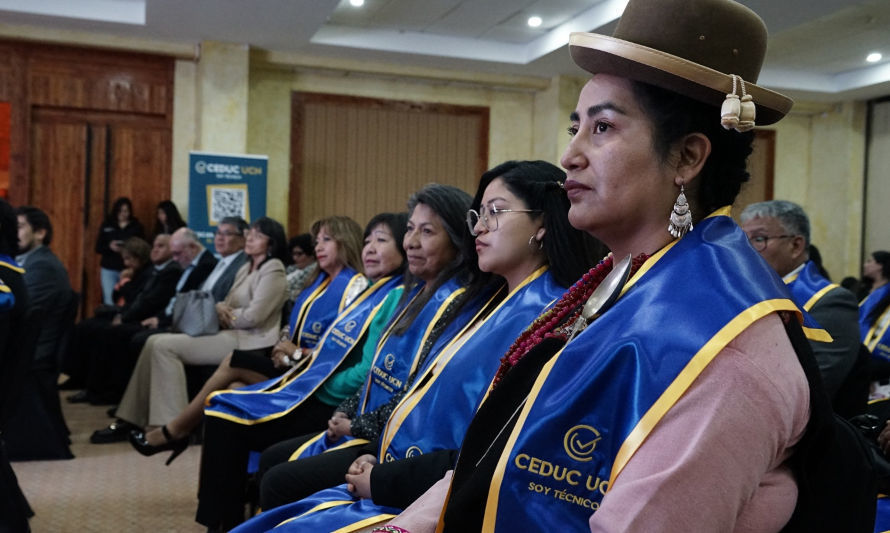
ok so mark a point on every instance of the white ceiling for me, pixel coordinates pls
(817, 48)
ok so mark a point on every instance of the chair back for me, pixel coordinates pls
(851, 398)
(17, 361)
(69, 318)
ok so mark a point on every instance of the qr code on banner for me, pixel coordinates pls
(227, 201)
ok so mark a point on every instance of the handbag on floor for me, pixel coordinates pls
(194, 313)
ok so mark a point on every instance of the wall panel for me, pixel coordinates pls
(360, 156)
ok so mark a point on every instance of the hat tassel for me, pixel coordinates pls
(738, 113)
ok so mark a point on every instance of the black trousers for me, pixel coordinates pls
(113, 356)
(227, 444)
(283, 481)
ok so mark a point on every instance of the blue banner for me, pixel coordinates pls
(223, 185)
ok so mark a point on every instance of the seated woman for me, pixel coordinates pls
(641, 416)
(135, 254)
(874, 321)
(249, 318)
(874, 318)
(435, 303)
(248, 367)
(303, 255)
(523, 237)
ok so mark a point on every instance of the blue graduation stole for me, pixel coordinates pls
(875, 337)
(328, 510)
(397, 355)
(882, 515)
(808, 286)
(7, 298)
(318, 305)
(449, 396)
(389, 373)
(450, 391)
(596, 401)
(277, 397)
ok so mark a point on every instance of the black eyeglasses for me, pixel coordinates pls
(759, 242)
(489, 217)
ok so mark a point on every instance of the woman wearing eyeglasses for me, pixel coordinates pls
(523, 237)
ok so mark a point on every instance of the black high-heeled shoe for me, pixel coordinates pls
(139, 442)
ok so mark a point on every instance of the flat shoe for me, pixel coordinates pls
(116, 432)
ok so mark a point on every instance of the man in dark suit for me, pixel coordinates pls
(46, 279)
(780, 231)
(111, 363)
(229, 243)
(37, 429)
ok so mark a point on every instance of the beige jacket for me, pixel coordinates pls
(256, 299)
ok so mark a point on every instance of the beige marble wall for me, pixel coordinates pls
(820, 154)
(514, 133)
(185, 139)
(222, 97)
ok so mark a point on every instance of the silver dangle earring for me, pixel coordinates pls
(681, 216)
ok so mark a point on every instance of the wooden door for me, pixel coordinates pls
(81, 162)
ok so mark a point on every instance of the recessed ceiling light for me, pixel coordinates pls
(873, 57)
(357, 3)
(534, 22)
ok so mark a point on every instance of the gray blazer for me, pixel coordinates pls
(224, 282)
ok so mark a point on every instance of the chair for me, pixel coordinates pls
(851, 398)
(16, 363)
(36, 428)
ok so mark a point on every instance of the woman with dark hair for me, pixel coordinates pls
(168, 219)
(874, 310)
(119, 225)
(302, 264)
(433, 311)
(524, 240)
(136, 255)
(679, 400)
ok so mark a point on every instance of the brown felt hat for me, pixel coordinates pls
(692, 47)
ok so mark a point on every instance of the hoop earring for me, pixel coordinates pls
(681, 216)
(531, 241)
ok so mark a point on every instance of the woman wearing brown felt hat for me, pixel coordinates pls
(681, 405)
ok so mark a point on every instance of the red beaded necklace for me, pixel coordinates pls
(553, 323)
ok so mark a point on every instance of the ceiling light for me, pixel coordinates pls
(357, 3)
(873, 57)
(534, 22)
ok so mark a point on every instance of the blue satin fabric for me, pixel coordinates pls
(311, 514)
(882, 516)
(441, 416)
(281, 395)
(878, 342)
(311, 316)
(442, 413)
(608, 377)
(397, 355)
(807, 283)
